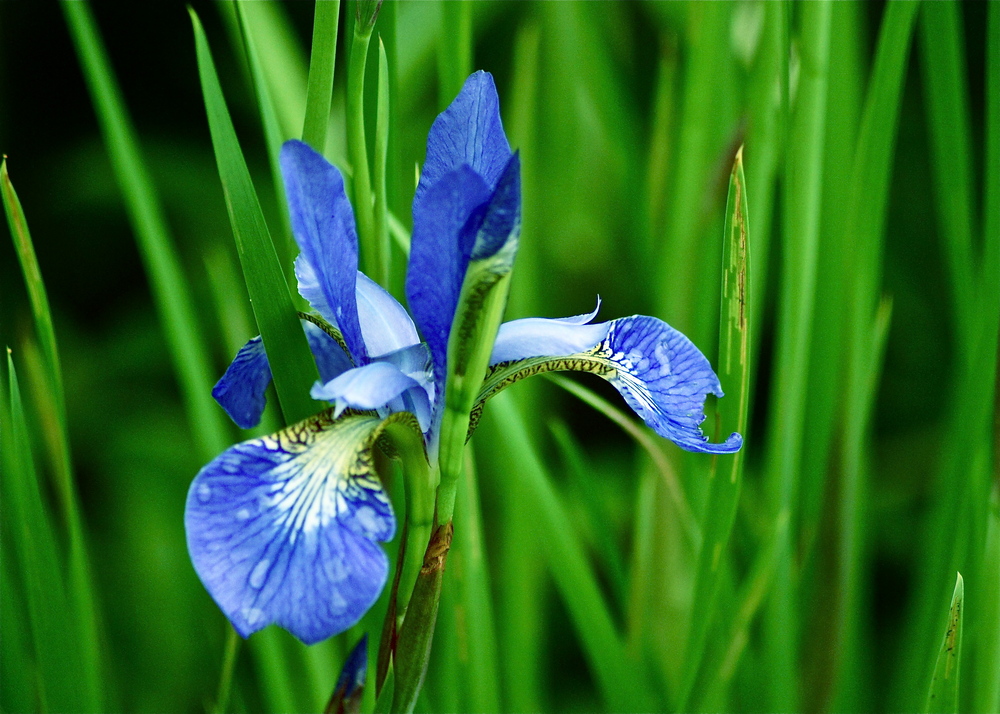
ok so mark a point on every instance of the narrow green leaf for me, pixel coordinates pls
(478, 656)
(357, 146)
(60, 684)
(800, 232)
(986, 696)
(864, 228)
(319, 90)
(650, 444)
(454, 49)
(949, 131)
(617, 676)
(173, 299)
(292, 366)
(52, 405)
(735, 335)
(285, 245)
(942, 695)
(382, 119)
(682, 261)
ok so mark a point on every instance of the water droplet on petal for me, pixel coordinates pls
(242, 514)
(259, 574)
(252, 615)
(204, 493)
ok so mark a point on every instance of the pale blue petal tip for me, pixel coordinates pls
(278, 536)
(665, 379)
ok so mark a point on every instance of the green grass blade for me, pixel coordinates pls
(285, 244)
(52, 403)
(947, 105)
(454, 49)
(987, 671)
(649, 443)
(478, 653)
(864, 229)
(319, 90)
(59, 681)
(173, 299)
(603, 647)
(942, 695)
(292, 366)
(357, 145)
(734, 372)
(800, 233)
(37, 295)
(382, 119)
(682, 260)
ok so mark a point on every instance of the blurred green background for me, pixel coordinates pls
(870, 475)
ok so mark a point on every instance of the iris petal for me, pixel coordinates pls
(540, 336)
(439, 255)
(283, 529)
(323, 225)
(469, 132)
(241, 390)
(665, 379)
(369, 387)
(385, 324)
(659, 371)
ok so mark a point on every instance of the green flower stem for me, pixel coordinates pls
(414, 647)
(484, 297)
(358, 151)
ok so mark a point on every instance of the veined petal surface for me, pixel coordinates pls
(283, 529)
(659, 371)
(439, 255)
(241, 390)
(323, 225)
(469, 132)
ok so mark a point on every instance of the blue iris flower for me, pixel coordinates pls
(285, 529)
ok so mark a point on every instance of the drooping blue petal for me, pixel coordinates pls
(365, 388)
(385, 324)
(659, 371)
(241, 390)
(323, 224)
(415, 362)
(439, 255)
(469, 132)
(665, 379)
(283, 529)
(550, 337)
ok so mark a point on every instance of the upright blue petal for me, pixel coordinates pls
(469, 132)
(323, 224)
(283, 529)
(458, 193)
(439, 255)
(497, 224)
(241, 390)
(385, 324)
